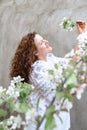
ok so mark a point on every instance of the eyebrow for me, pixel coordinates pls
(41, 40)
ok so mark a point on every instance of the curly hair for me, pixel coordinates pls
(24, 58)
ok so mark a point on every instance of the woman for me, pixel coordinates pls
(32, 60)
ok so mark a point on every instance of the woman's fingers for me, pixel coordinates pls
(80, 21)
(81, 26)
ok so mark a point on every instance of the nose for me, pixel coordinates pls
(47, 44)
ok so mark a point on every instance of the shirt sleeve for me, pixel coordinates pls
(44, 86)
(60, 61)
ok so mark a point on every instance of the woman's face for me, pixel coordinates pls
(42, 45)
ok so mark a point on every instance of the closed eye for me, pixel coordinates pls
(41, 42)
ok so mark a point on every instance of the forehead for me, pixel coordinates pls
(38, 38)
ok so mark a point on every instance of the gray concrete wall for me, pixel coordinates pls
(18, 17)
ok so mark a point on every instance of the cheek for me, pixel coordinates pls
(42, 50)
(43, 46)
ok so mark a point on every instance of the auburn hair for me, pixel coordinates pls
(24, 57)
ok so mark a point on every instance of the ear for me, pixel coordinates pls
(36, 53)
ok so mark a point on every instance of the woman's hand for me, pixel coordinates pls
(81, 26)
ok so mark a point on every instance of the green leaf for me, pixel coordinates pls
(37, 104)
(50, 123)
(59, 95)
(67, 95)
(73, 24)
(85, 58)
(1, 127)
(65, 24)
(1, 102)
(69, 87)
(51, 72)
(50, 110)
(27, 88)
(10, 104)
(58, 87)
(71, 80)
(21, 107)
(3, 113)
(56, 66)
(24, 89)
(68, 72)
(22, 96)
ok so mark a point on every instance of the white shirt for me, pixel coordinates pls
(45, 88)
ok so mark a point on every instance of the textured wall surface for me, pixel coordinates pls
(18, 17)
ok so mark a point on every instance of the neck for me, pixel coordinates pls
(42, 58)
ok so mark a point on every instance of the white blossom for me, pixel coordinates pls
(82, 38)
(14, 122)
(12, 84)
(84, 67)
(80, 52)
(67, 24)
(11, 92)
(17, 122)
(78, 90)
(16, 95)
(70, 54)
(67, 105)
(32, 86)
(30, 115)
(10, 120)
(1, 123)
(2, 89)
(58, 75)
(17, 79)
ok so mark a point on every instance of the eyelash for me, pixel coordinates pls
(41, 43)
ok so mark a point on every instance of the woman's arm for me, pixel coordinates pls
(81, 28)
